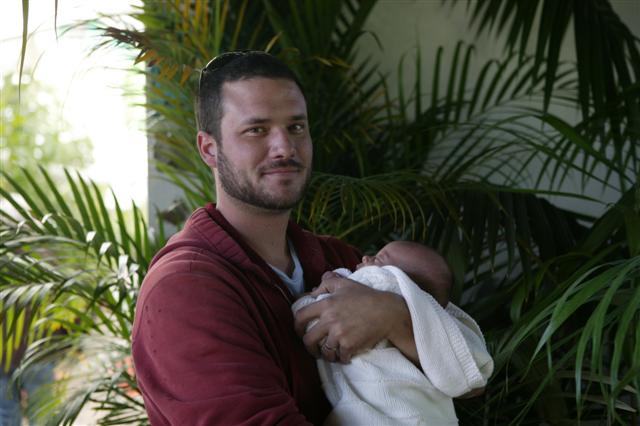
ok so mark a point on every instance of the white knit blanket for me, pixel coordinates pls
(382, 387)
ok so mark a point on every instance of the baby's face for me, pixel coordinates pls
(386, 256)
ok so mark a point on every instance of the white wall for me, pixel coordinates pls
(403, 24)
(162, 194)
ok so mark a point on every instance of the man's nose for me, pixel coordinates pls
(282, 145)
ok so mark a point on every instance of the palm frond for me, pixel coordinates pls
(68, 267)
(608, 56)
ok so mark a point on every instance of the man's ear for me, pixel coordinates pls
(208, 148)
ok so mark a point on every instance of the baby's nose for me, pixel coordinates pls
(366, 261)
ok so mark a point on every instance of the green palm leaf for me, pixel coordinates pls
(608, 56)
(67, 266)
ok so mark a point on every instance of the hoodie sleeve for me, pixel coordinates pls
(200, 359)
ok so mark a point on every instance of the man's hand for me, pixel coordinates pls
(353, 320)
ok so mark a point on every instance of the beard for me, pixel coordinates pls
(238, 186)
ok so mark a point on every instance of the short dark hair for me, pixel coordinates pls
(233, 66)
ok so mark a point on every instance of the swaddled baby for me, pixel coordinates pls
(381, 386)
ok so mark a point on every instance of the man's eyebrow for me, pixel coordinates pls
(260, 120)
(255, 120)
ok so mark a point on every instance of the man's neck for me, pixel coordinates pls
(265, 231)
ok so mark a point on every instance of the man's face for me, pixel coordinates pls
(264, 158)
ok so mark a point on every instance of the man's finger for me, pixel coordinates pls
(330, 351)
(314, 339)
(332, 282)
(327, 285)
(345, 356)
(329, 274)
(306, 314)
(317, 291)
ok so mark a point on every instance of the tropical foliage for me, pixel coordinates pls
(467, 162)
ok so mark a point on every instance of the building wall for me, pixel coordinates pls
(402, 25)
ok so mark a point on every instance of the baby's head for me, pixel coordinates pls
(421, 263)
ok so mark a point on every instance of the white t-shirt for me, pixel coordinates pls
(295, 282)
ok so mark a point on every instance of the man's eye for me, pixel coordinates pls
(296, 128)
(256, 130)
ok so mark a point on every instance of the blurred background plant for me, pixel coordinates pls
(33, 134)
(472, 163)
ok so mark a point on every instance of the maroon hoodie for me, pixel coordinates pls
(213, 337)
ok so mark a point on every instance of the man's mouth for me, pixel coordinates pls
(283, 168)
(281, 171)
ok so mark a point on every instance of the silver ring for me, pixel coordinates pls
(329, 348)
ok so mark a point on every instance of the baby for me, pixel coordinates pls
(381, 386)
(422, 264)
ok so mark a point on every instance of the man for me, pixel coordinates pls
(214, 338)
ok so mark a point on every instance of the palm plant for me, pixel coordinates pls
(556, 292)
(72, 266)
